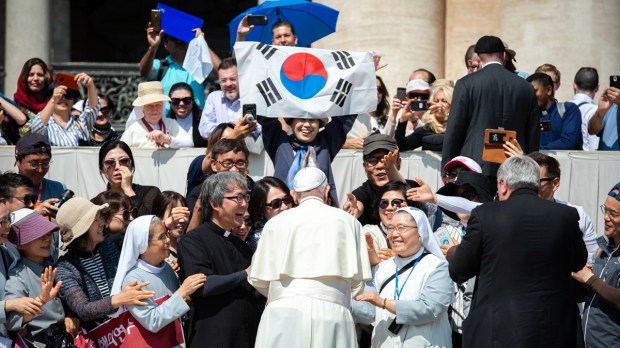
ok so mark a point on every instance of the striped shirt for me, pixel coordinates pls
(94, 268)
(77, 128)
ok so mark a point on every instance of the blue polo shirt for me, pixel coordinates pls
(565, 133)
(176, 74)
(609, 134)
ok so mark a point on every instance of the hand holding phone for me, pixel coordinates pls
(156, 20)
(251, 110)
(67, 80)
(614, 81)
(401, 93)
(257, 20)
(419, 105)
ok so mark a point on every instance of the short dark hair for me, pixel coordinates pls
(258, 198)
(541, 78)
(10, 181)
(283, 23)
(227, 145)
(586, 79)
(398, 186)
(116, 201)
(469, 54)
(550, 163)
(109, 146)
(163, 200)
(227, 63)
(431, 76)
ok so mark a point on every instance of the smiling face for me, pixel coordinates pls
(229, 82)
(36, 79)
(243, 231)
(38, 249)
(95, 231)
(230, 213)
(153, 112)
(159, 245)
(392, 198)
(103, 117)
(612, 219)
(283, 36)
(375, 170)
(5, 226)
(408, 242)
(274, 194)
(35, 166)
(182, 109)
(305, 129)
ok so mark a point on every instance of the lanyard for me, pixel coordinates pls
(162, 128)
(397, 292)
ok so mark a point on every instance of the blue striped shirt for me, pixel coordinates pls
(57, 135)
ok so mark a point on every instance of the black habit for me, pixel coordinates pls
(522, 251)
(224, 316)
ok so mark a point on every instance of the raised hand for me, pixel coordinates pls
(422, 193)
(351, 206)
(512, 148)
(48, 290)
(153, 38)
(372, 254)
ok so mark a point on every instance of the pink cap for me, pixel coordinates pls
(463, 161)
(29, 225)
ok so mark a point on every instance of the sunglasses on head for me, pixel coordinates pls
(396, 203)
(277, 203)
(133, 212)
(177, 101)
(421, 96)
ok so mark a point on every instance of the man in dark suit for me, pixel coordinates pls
(522, 251)
(493, 98)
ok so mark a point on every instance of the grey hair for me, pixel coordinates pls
(520, 172)
(315, 192)
(216, 186)
(154, 222)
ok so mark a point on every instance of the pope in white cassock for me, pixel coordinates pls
(309, 262)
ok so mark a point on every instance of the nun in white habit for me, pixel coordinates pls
(145, 249)
(408, 298)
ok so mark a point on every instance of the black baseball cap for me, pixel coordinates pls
(32, 143)
(479, 182)
(379, 142)
(489, 44)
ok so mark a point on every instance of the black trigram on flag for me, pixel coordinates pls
(340, 94)
(269, 92)
(266, 50)
(343, 60)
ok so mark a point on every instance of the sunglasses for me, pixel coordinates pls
(277, 203)
(133, 212)
(177, 101)
(421, 96)
(27, 199)
(396, 203)
(111, 163)
(106, 111)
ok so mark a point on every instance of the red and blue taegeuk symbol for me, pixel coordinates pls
(303, 75)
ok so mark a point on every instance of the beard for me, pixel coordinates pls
(232, 95)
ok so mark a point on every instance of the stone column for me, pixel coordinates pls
(27, 35)
(407, 34)
(567, 34)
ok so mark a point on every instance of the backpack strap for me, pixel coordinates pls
(163, 69)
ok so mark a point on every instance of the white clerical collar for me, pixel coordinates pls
(309, 198)
(226, 234)
(150, 268)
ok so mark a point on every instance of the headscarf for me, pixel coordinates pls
(429, 243)
(136, 242)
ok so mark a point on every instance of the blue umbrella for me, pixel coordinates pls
(311, 20)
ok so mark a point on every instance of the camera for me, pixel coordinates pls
(419, 105)
(65, 196)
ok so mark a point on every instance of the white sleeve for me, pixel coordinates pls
(456, 204)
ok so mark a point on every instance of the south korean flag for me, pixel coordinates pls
(304, 82)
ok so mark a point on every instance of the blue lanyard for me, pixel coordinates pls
(397, 292)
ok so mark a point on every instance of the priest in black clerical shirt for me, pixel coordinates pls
(224, 311)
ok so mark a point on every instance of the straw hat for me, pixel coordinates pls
(150, 92)
(75, 218)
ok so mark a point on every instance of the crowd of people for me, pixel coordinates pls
(490, 259)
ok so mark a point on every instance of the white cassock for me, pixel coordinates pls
(135, 135)
(309, 262)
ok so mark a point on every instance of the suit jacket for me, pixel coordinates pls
(490, 98)
(522, 252)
